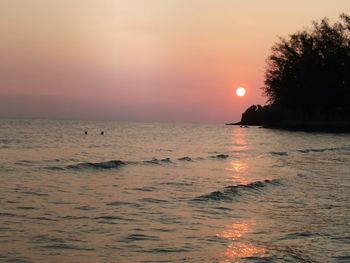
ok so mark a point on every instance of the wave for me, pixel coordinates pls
(154, 200)
(114, 164)
(25, 162)
(316, 150)
(101, 165)
(232, 191)
(279, 153)
(186, 158)
(123, 203)
(140, 237)
(108, 165)
(156, 161)
(219, 156)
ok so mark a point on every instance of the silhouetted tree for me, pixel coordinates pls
(308, 74)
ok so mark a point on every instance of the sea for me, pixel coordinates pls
(165, 192)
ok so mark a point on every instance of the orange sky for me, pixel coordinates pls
(152, 60)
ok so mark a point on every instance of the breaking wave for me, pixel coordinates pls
(232, 191)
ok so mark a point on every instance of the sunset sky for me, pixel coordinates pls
(147, 60)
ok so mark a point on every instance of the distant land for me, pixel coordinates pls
(307, 81)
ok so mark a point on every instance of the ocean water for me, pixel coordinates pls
(152, 192)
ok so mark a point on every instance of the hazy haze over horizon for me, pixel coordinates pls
(153, 60)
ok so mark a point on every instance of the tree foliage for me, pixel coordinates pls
(308, 74)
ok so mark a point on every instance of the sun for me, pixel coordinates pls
(240, 91)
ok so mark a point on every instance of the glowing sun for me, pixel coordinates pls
(240, 91)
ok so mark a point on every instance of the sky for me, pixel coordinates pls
(143, 60)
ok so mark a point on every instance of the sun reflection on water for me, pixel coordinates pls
(237, 233)
(238, 249)
(239, 142)
(238, 167)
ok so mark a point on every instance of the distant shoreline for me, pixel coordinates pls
(342, 126)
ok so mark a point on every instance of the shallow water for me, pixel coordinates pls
(151, 192)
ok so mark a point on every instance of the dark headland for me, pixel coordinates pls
(307, 81)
